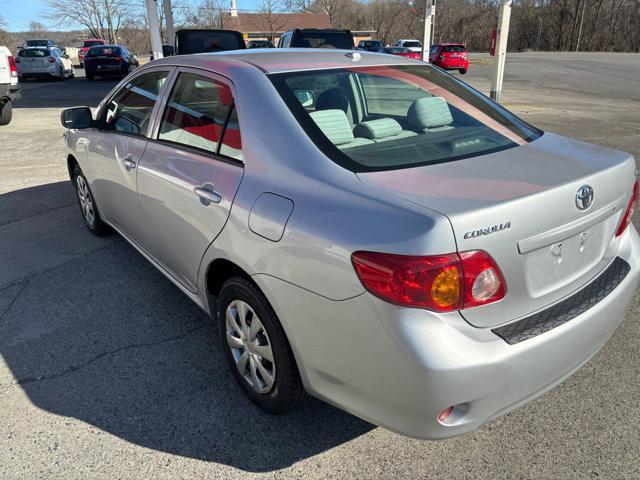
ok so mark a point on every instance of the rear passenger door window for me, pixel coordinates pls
(197, 113)
(129, 111)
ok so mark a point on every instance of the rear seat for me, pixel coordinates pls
(335, 125)
(430, 114)
(381, 130)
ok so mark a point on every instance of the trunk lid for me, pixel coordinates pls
(520, 206)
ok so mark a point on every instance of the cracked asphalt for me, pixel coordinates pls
(107, 371)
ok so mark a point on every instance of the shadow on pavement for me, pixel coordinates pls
(63, 94)
(94, 332)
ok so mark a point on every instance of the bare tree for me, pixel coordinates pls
(269, 21)
(37, 30)
(103, 18)
(207, 14)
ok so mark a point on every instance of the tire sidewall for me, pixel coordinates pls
(240, 289)
(95, 227)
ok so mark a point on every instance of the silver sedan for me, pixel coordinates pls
(365, 229)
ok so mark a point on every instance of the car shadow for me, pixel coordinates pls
(90, 330)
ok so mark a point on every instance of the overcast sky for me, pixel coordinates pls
(18, 13)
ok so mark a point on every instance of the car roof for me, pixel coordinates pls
(277, 60)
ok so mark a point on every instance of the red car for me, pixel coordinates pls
(86, 45)
(402, 51)
(449, 56)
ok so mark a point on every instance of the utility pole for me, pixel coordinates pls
(502, 35)
(429, 11)
(168, 18)
(154, 29)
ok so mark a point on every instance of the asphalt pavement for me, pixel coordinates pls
(108, 371)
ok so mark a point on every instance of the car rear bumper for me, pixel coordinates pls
(399, 367)
(453, 64)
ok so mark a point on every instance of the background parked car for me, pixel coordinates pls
(41, 42)
(260, 44)
(316, 38)
(86, 45)
(411, 44)
(40, 62)
(449, 56)
(196, 40)
(403, 52)
(109, 60)
(9, 88)
(370, 45)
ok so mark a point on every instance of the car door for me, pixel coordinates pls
(190, 172)
(116, 147)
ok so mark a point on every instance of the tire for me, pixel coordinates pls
(90, 76)
(245, 303)
(463, 71)
(6, 113)
(88, 206)
(61, 78)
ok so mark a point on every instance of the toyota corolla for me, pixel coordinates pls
(364, 228)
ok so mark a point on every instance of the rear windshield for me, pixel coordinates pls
(372, 43)
(103, 52)
(390, 117)
(34, 53)
(310, 39)
(454, 49)
(37, 43)
(397, 50)
(201, 42)
(92, 43)
(413, 44)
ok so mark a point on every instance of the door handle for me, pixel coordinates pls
(128, 162)
(207, 194)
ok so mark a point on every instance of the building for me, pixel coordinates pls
(269, 26)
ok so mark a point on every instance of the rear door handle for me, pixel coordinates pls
(128, 162)
(207, 194)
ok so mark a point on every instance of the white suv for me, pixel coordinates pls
(9, 88)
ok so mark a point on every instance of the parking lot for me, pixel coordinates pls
(108, 371)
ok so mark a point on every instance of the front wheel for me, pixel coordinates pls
(88, 206)
(6, 113)
(257, 349)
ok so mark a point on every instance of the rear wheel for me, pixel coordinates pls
(463, 71)
(257, 349)
(88, 206)
(6, 112)
(90, 76)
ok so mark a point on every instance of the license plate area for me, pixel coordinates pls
(554, 266)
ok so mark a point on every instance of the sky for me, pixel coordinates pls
(18, 13)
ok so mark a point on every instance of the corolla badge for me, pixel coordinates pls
(584, 197)
(488, 230)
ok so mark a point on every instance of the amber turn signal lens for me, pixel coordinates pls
(445, 289)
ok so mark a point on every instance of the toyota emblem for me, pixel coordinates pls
(584, 197)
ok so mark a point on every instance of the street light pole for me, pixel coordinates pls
(168, 17)
(154, 29)
(502, 35)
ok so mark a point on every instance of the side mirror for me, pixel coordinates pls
(77, 118)
(305, 97)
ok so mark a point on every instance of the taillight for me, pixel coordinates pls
(440, 282)
(52, 60)
(631, 209)
(12, 66)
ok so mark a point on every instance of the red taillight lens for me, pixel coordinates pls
(631, 209)
(12, 66)
(441, 282)
(52, 60)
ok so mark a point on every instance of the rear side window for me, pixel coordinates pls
(197, 112)
(130, 110)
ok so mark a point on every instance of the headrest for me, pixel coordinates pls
(332, 98)
(429, 112)
(334, 124)
(377, 129)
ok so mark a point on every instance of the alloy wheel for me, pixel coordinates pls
(86, 202)
(250, 346)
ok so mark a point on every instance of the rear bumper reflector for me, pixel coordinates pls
(568, 309)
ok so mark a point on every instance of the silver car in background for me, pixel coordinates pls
(44, 62)
(365, 228)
